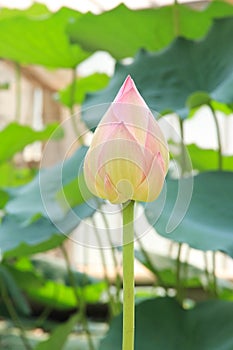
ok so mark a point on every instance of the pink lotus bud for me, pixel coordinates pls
(128, 157)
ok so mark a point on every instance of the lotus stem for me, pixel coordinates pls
(220, 158)
(128, 276)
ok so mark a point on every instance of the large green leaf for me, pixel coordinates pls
(28, 38)
(18, 238)
(162, 324)
(84, 85)
(208, 222)
(14, 137)
(122, 31)
(168, 78)
(45, 191)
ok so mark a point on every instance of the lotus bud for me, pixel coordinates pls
(128, 156)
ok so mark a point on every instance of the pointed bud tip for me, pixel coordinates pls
(129, 83)
(125, 88)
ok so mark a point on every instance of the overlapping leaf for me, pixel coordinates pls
(168, 78)
(208, 222)
(36, 219)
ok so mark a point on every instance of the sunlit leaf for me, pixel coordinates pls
(28, 38)
(61, 297)
(150, 29)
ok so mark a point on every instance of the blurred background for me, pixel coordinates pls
(57, 60)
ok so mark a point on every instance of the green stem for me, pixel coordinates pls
(178, 273)
(72, 97)
(118, 278)
(183, 154)
(128, 276)
(207, 274)
(72, 90)
(220, 167)
(72, 103)
(17, 92)
(181, 129)
(14, 316)
(171, 245)
(79, 299)
(43, 316)
(186, 266)
(220, 158)
(113, 250)
(150, 264)
(47, 310)
(176, 20)
(215, 287)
